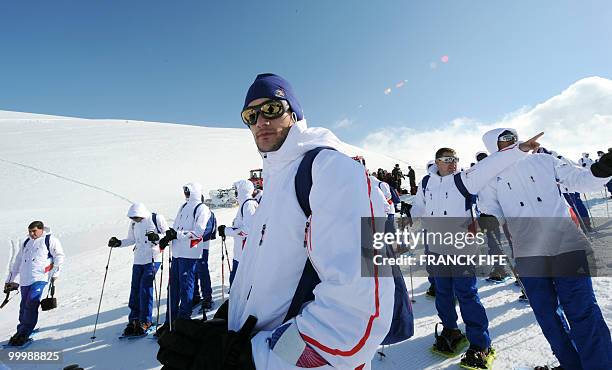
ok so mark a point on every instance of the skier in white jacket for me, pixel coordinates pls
(448, 193)
(350, 315)
(247, 205)
(186, 237)
(39, 261)
(551, 251)
(144, 232)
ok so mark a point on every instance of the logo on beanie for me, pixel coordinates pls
(279, 93)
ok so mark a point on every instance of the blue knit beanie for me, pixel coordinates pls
(271, 86)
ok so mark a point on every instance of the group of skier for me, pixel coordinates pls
(298, 297)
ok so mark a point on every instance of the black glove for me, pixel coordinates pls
(10, 286)
(114, 242)
(152, 236)
(488, 222)
(206, 345)
(237, 353)
(171, 234)
(221, 231)
(163, 242)
(603, 167)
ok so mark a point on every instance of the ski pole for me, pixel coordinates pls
(101, 294)
(403, 226)
(606, 198)
(222, 270)
(8, 299)
(512, 268)
(155, 283)
(589, 210)
(161, 278)
(226, 256)
(169, 289)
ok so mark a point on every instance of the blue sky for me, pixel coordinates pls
(192, 61)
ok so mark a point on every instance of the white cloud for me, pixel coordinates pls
(577, 120)
(343, 123)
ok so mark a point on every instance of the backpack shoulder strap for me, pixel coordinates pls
(303, 179)
(469, 197)
(154, 218)
(25, 242)
(310, 278)
(48, 243)
(196, 209)
(242, 206)
(424, 182)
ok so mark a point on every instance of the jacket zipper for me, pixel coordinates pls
(306, 233)
(263, 231)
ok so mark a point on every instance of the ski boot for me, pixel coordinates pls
(207, 304)
(476, 358)
(449, 343)
(498, 276)
(161, 330)
(18, 340)
(431, 292)
(130, 328)
(196, 301)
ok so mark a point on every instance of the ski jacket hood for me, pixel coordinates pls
(245, 190)
(301, 139)
(195, 192)
(138, 210)
(490, 138)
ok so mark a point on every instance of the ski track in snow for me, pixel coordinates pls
(67, 179)
(84, 219)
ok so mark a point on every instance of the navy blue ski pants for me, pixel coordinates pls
(181, 284)
(141, 292)
(28, 309)
(203, 277)
(451, 284)
(584, 343)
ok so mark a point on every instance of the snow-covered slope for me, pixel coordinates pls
(79, 175)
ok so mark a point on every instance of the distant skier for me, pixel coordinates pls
(585, 161)
(447, 192)
(186, 236)
(39, 261)
(412, 180)
(397, 177)
(550, 250)
(144, 232)
(247, 205)
(345, 318)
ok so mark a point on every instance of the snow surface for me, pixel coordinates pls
(79, 175)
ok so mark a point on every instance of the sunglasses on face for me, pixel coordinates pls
(270, 109)
(448, 159)
(508, 137)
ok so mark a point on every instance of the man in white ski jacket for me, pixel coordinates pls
(39, 261)
(350, 315)
(186, 237)
(144, 232)
(440, 196)
(551, 250)
(247, 205)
